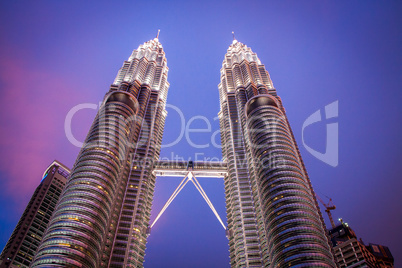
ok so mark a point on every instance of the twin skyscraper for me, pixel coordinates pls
(102, 218)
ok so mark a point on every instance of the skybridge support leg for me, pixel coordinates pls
(204, 195)
(171, 198)
(189, 177)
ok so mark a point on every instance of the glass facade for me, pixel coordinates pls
(273, 216)
(103, 215)
(24, 241)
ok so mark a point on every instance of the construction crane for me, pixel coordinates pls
(328, 207)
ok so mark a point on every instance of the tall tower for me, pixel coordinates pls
(273, 216)
(25, 239)
(103, 214)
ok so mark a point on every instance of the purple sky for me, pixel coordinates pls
(58, 54)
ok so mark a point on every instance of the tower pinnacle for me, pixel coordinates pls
(234, 38)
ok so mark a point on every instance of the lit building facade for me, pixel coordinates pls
(103, 214)
(273, 216)
(102, 218)
(352, 252)
(24, 241)
(383, 255)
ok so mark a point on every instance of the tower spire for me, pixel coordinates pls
(234, 38)
(157, 35)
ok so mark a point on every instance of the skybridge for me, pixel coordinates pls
(213, 169)
(189, 170)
